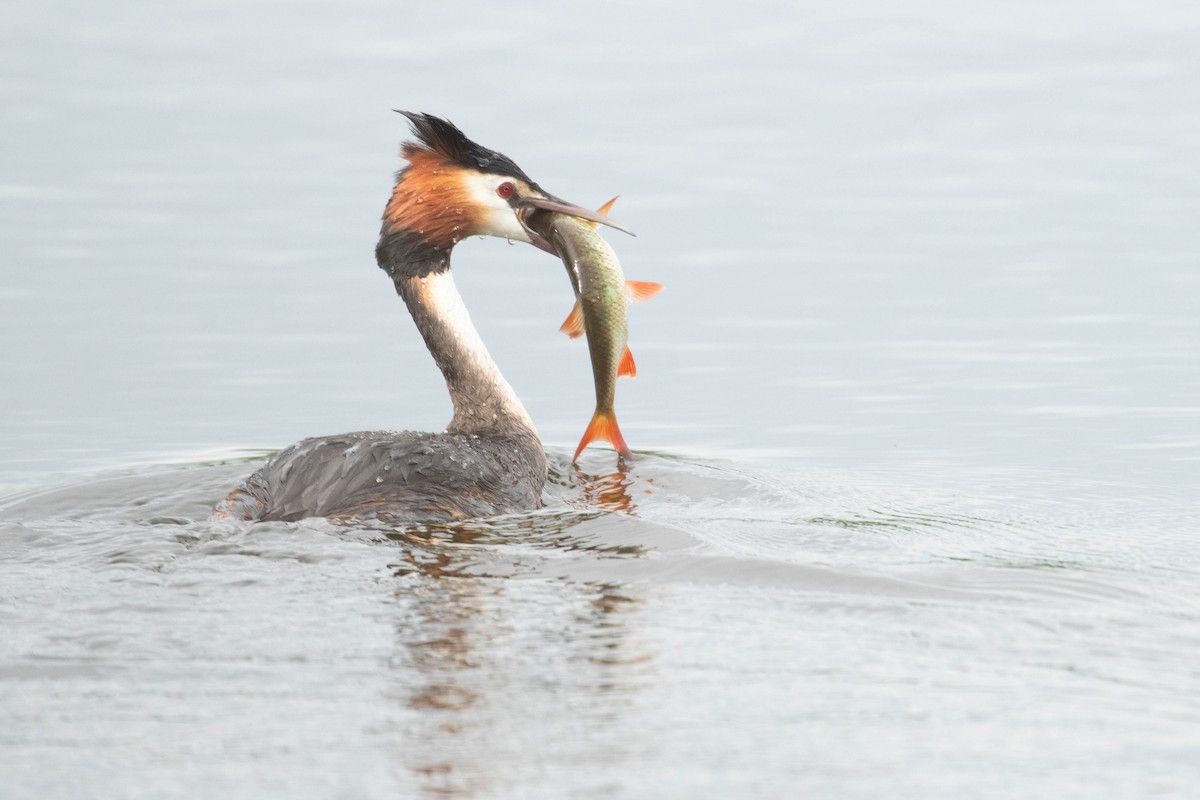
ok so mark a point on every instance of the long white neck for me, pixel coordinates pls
(484, 403)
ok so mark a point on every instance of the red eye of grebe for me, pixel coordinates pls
(505, 189)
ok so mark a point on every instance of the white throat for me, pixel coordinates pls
(480, 393)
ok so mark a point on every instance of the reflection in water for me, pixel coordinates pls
(457, 549)
(609, 492)
(608, 628)
(441, 645)
(485, 661)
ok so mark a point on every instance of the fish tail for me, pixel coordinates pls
(604, 427)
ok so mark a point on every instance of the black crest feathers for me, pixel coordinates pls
(442, 137)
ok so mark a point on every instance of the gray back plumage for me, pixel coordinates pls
(401, 476)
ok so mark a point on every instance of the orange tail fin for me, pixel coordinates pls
(603, 427)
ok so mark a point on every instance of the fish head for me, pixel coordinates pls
(542, 202)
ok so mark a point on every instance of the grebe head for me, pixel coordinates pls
(453, 188)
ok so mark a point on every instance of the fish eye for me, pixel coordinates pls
(505, 189)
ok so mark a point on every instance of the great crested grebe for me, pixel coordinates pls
(489, 460)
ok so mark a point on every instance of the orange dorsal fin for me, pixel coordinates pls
(626, 368)
(642, 290)
(603, 427)
(604, 209)
(573, 325)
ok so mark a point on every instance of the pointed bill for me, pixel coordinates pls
(551, 203)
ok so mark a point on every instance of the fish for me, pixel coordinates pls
(602, 296)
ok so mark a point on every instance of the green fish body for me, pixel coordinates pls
(602, 298)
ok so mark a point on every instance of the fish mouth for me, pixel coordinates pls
(531, 205)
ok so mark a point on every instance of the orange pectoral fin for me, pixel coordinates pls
(642, 290)
(573, 325)
(603, 427)
(625, 367)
